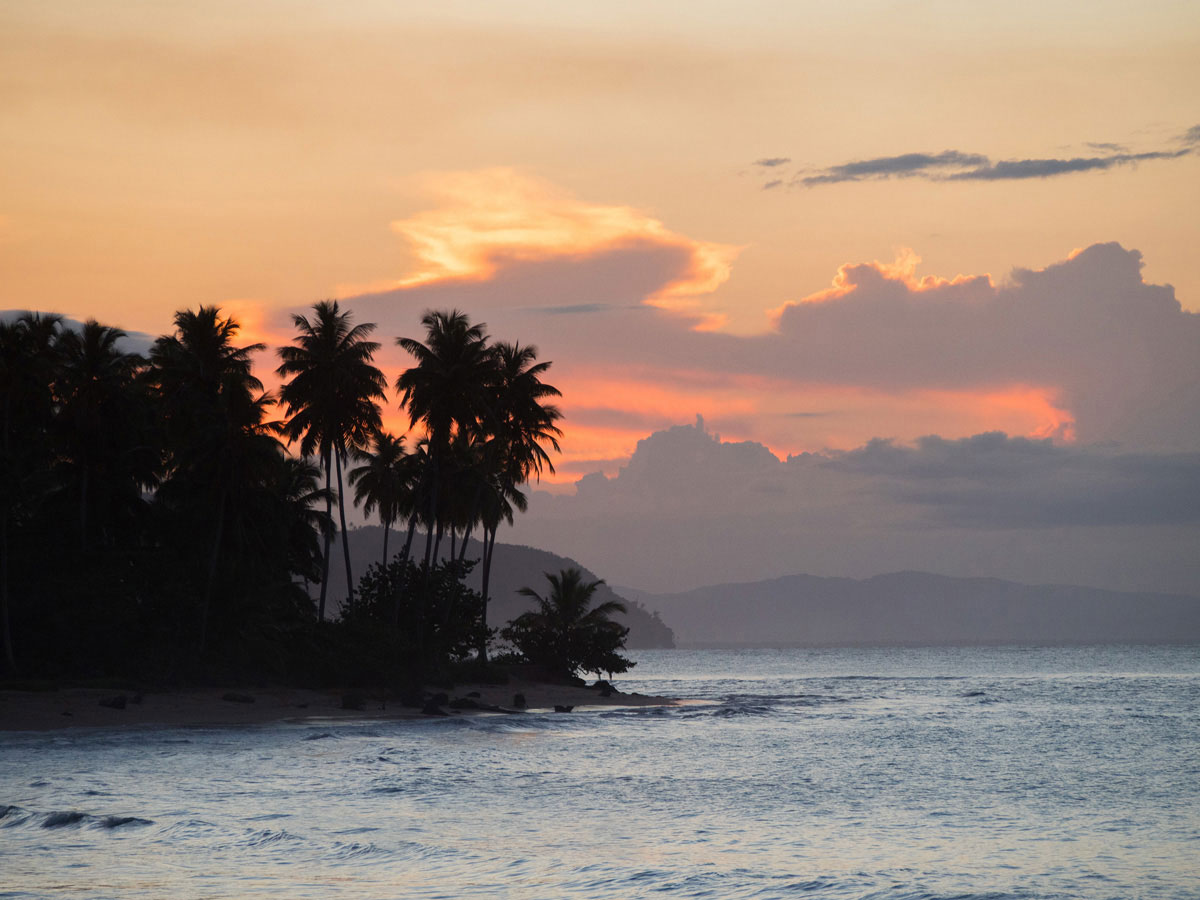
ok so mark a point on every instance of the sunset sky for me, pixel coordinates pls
(813, 224)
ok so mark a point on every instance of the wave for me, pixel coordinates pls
(13, 816)
(267, 837)
(354, 850)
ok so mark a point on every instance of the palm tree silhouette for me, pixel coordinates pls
(522, 424)
(296, 488)
(568, 631)
(102, 424)
(332, 401)
(215, 420)
(27, 357)
(384, 482)
(446, 392)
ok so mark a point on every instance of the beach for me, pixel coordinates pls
(79, 707)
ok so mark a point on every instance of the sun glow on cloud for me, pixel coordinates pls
(888, 328)
(902, 270)
(486, 218)
(606, 417)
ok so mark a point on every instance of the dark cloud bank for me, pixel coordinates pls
(689, 509)
(955, 165)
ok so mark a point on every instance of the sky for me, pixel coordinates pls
(920, 260)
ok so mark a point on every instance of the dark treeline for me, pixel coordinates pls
(157, 523)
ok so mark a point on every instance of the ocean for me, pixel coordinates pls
(882, 773)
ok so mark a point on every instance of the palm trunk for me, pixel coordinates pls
(328, 539)
(433, 510)
(10, 661)
(437, 542)
(462, 554)
(453, 543)
(213, 559)
(412, 530)
(345, 536)
(489, 547)
(83, 501)
(387, 530)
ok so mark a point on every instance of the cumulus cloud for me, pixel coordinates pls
(484, 221)
(1082, 350)
(957, 165)
(1120, 354)
(989, 505)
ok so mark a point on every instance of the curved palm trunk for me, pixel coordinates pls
(345, 536)
(467, 529)
(437, 541)
(328, 539)
(412, 530)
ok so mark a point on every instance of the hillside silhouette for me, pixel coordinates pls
(918, 608)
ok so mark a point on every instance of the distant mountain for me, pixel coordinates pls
(918, 608)
(513, 567)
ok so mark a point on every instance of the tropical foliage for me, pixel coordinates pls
(566, 633)
(156, 518)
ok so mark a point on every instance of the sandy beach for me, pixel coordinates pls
(102, 707)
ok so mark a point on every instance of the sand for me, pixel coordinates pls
(85, 707)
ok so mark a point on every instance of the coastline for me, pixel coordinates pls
(77, 707)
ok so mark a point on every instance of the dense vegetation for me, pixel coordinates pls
(566, 633)
(157, 522)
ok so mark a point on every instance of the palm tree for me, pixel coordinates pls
(565, 632)
(446, 392)
(103, 422)
(522, 424)
(215, 420)
(525, 422)
(332, 400)
(384, 482)
(296, 488)
(27, 356)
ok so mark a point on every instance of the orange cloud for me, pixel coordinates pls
(903, 270)
(486, 218)
(606, 417)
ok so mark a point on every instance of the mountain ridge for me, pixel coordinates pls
(912, 607)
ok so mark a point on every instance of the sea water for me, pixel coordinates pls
(867, 773)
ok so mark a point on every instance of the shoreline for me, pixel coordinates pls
(101, 708)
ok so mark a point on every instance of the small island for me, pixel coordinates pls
(169, 528)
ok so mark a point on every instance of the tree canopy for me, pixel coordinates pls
(566, 633)
(156, 519)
